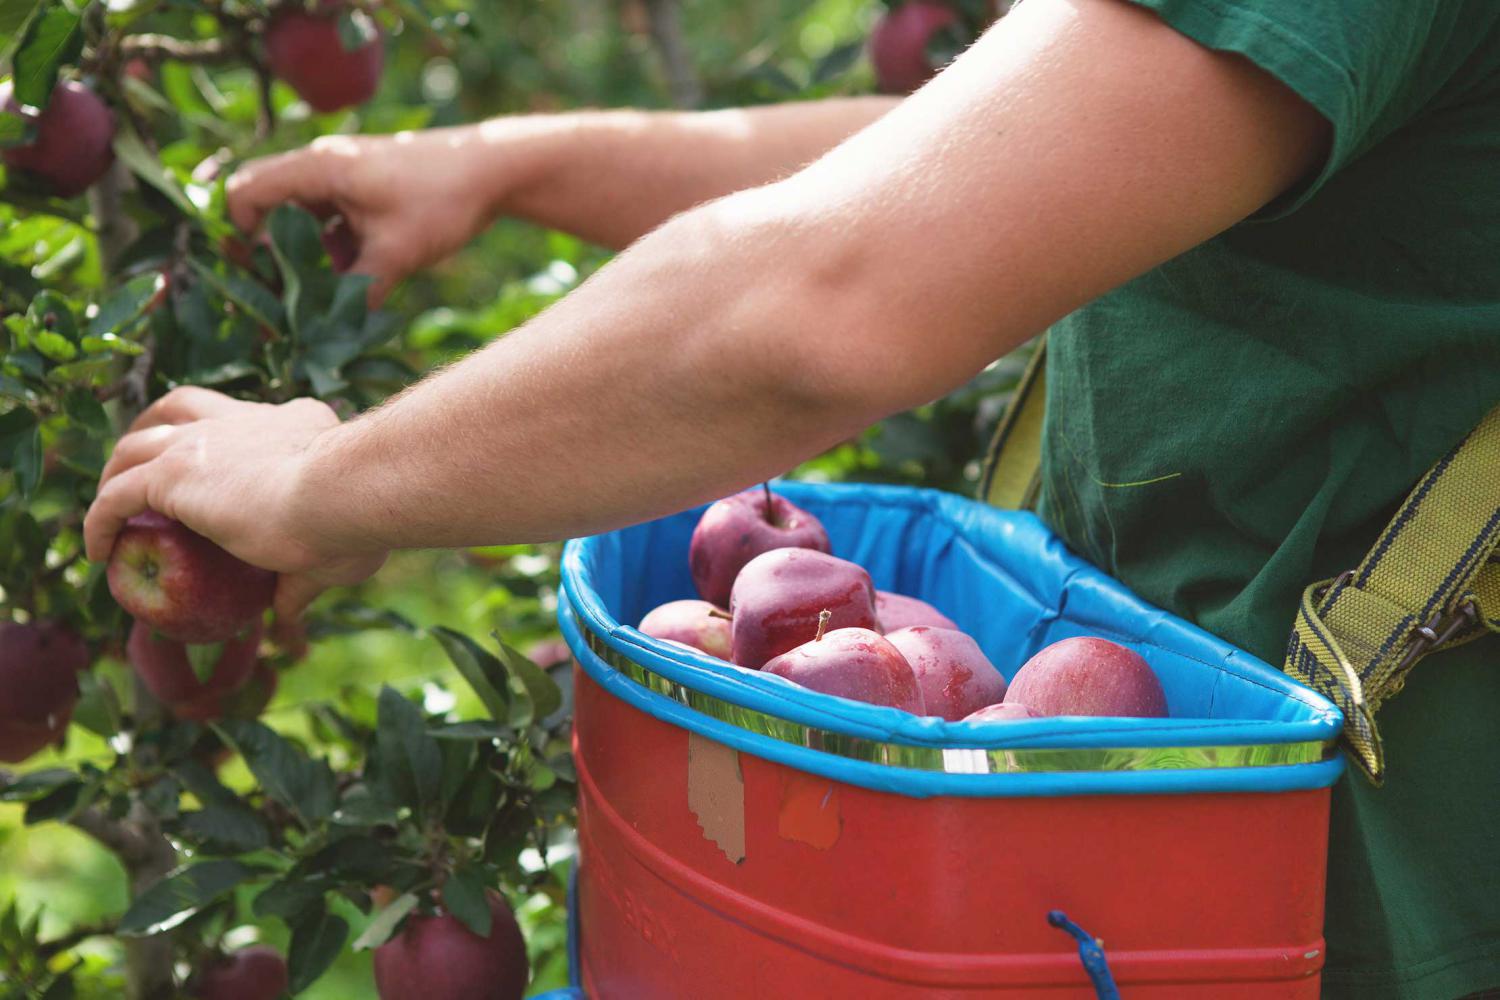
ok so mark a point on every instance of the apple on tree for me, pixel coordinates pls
(855, 663)
(73, 143)
(305, 48)
(955, 676)
(1086, 675)
(166, 668)
(778, 597)
(735, 530)
(901, 42)
(39, 666)
(183, 585)
(438, 958)
(255, 973)
(697, 624)
(897, 611)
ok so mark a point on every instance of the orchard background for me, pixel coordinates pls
(110, 299)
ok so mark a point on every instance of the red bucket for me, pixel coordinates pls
(740, 837)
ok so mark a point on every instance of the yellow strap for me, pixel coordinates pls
(1428, 583)
(1012, 469)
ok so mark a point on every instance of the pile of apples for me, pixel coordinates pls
(774, 598)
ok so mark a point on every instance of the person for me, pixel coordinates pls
(1264, 234)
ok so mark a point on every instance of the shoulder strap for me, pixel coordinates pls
(1012, 467)
(1430, 581)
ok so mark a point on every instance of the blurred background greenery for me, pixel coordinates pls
(516, 56)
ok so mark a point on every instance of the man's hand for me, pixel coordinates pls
(410, 199)
(173, 461)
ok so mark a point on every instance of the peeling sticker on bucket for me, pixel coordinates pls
(810, 811)
(716, 794)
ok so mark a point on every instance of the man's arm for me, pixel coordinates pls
(1079, 143)
(607, 176)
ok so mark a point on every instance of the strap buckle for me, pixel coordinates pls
(1441, 627)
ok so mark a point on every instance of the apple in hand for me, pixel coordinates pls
(39, 665)
(1006, 711)
(304, 48)
(897, 611)
(164, 667)
(955, 676)
(692, 623)
(778, 596)
(739, 528)
(855, 663)
(1085, 675)
(254, 973)
(898, 45)
(438, 958)
(183, 585)
(73, 146)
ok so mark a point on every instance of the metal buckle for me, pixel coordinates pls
(1427, 637)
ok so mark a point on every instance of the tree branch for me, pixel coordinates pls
(157, 48)
(666, 35)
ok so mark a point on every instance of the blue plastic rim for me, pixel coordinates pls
(1007, 581)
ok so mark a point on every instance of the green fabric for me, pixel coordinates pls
(1244, 420)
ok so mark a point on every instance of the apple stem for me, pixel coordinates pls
(770, 503)
(823, 617)
(716, 613)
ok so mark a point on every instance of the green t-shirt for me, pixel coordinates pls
(1243, 420)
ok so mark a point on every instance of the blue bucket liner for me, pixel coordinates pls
(1237, 725)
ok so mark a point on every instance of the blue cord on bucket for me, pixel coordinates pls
(1091, 954)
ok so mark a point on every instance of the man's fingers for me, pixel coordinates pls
(118, 501)
(260, 185)
(186, 404)
(137, 447)
(293, 594)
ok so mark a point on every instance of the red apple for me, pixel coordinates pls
(438, 958)
(73, 146)
(1009, 711)
(549, 652)
(304, 49)
(692, 623)
(852, 663)
(254, 973)
(778, 595)
(247, 701)
(898, 45)
(39, 665)
(739, 528)
(183, 585)
(897, 611)
(164, 667)
(955, 676)
(1089, 676)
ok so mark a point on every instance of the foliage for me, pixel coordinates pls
(106, 302)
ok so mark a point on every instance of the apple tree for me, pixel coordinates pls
(120, 281)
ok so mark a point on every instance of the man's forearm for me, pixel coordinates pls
(613, 176)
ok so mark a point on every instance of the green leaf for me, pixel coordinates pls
(297, 245)
(480, 668)
(543, 691)
(288, 775)
(52, 39)
(292, 897)
(409, 760)
(126, 305)
(13, 17)
(53, 345)
(183, 893)
(235, 829)
(249, 295)
(837, 61)
(203, 658)
(316, 942)
(21, 450)
(86, 412)
(464, 896)
(32, 786)
(380, 929)
(144, 164)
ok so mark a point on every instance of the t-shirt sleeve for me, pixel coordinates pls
(1368, 66)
